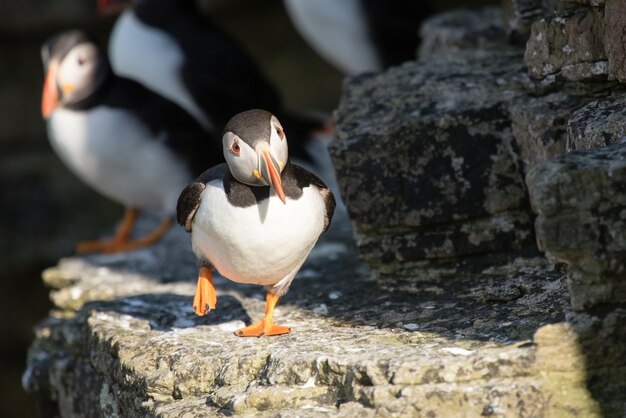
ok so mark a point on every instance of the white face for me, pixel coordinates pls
(77, 74)
(245, 163)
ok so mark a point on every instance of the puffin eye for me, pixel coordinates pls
(81, 61)
(280, 132)
(235, 149)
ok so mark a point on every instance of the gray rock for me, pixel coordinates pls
(450, 32)
(599, 123)
(601, 335)
(546, 123)
(571, 46)
(615, 21)
(432, 140)
(580, 200)
(539, 124)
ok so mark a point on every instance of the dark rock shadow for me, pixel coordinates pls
(165, 311)
(500, 308)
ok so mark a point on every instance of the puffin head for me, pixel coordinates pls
(75, 68)
(255, 148)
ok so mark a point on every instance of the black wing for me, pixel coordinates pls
(218, 72)
(306, 178)
(189, 199)
(168, 122)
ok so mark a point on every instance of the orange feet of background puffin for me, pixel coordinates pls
(120, 241)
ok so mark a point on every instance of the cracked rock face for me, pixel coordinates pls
(432, 141)
(575, 40)
(571, 46)
(600, 123)
(580, 202)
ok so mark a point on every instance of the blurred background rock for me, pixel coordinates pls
(44, 210)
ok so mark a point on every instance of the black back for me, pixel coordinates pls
(393, 27)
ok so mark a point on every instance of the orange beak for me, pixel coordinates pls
(271, 174)
(49, 98)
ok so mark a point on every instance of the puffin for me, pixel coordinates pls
(126, 142)
(254, 218)
(359, 36)
(170, 47)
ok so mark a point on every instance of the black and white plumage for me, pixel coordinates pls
(128, 143)
(359, 36)
(256, 218)
(170, 47)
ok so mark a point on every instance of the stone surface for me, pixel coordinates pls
(570, 46)
(539, 124)
(551, 121)
(615, 38)
(580, 201)
(123, 341)
(599, 123)
(519, 15)
(442, 144)
(576, 39)
(433, 142)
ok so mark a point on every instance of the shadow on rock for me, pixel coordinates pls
(167, 311)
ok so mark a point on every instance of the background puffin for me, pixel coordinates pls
(174, 50)
(255, 218)
(359, 36)
(126, 142)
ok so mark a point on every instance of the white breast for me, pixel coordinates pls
(262, 244)
(337, 31)
(154, 59)
(114, 153)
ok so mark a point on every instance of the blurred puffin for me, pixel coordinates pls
(126, 142)
(171, 48)
(359, 36)
(255, 218)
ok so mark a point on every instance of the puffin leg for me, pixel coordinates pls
(119, 242)
(145, 241)
(265, 327)
(204, 300)
(121, 235)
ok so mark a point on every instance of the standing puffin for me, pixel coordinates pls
(174, 50)
(126, 142)
(255, 218)
(359, 36)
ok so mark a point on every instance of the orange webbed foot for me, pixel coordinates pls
(265, 327)
(205, 299)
